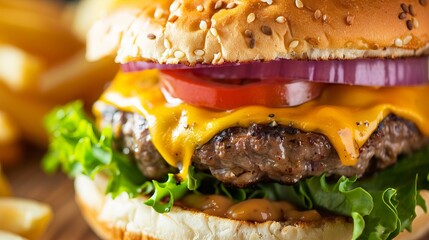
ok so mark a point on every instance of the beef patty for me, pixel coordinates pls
(244, 156)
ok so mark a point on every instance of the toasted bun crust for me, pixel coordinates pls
(213, 32)
(124, 218)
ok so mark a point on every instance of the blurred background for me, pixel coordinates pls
(42, 65)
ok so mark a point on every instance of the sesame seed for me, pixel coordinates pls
(252, 43)
(423, 2)
(269, 2)
(407, 39)
(231, 5)
(174, 6)
(218, 5)
(251, 17)
(280, 19)
(203, 25)
(167, 44)
(179, 54)
(199, 52)
(274, 124)
(214, 32)
(151, 36)
(412, 12)
(325, 17)
(409, 25)
(213, 22)
(317, 14)
(167, 53)
(266, 30)
(248, 33)
(416, 23)
(217, 56)
(299, 4)
(158, 13)
(350, 19)
(402, 15)
(294, 44)
(173, 18)
(375, 46)
(200, 8)
(398, 42)
(405, 8)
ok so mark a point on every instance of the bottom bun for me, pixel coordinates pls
(124, 218)
(420, 224)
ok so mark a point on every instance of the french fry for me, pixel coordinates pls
(38, 34)
(47, 8)
(24, 217)
(10, 151)
(27, 113)
(9, 132)
(76, 78)
(19, 70)
(10, 236)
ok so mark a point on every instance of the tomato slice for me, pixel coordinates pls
(194, 90)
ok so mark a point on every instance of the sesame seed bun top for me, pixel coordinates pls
(213, 32)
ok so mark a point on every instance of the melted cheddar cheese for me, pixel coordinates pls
(346, 115)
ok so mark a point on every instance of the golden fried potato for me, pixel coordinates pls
(38, 34)
(43, 65)
(76, 78)
(43, 7)
(10, 150)
(10, 236)
(27, 114)
(19, 70)
(24, 217)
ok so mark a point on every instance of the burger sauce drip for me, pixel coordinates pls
(255, 210)
(177, 129)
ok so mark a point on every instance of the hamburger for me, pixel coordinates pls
(258, 119)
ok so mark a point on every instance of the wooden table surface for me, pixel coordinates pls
(29, 181)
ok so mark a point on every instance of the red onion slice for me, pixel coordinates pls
(365, 72)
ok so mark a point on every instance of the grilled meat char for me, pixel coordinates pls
(241, 156)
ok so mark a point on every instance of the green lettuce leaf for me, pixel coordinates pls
(381, 206)
(79, 148)
(172, 188)
(406, 177)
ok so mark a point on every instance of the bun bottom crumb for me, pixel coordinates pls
(131, 219)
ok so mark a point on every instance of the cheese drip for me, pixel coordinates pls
(346, 115)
